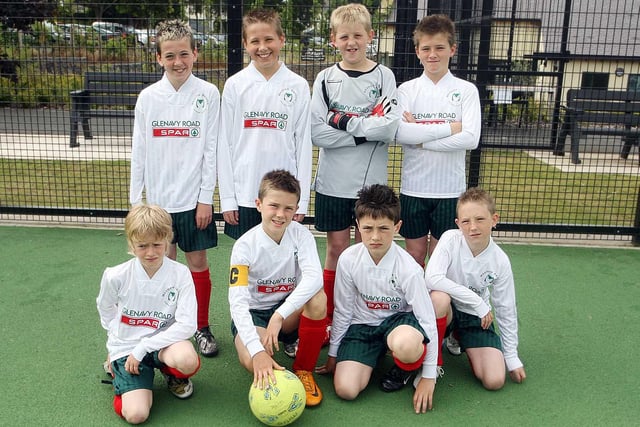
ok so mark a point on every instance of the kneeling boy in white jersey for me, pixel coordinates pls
(470, 272)
(275, 287)
(148, 307)
(381, 303)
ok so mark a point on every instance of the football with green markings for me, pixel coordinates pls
(281, 403)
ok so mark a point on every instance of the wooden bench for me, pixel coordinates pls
(106, 94)
(599, 112)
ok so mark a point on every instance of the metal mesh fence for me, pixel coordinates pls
(550, 180)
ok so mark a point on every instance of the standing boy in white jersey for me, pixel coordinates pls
(354, 116)
(264, 125)
(147, 305)
(381, 304)
(441, 121)
(173, 159)
(471, 273)
(275, 287)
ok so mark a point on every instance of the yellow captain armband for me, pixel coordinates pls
(239, 275)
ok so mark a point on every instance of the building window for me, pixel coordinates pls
(595, 81)
(634, 83)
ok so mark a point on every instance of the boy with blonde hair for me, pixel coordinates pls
(264, 124)
(275, 288)
(148, 305)
(173, 159)
(381, 305)
(354, 117)
(469, 273)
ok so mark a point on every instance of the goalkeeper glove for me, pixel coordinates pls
(338, 120)
(382, 107)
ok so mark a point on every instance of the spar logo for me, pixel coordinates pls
(275, 289)
(145, 318)
(177, 132)
(147, 322)
(265, 120)
(264, 123)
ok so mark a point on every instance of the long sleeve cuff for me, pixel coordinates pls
(303, 207)
(513, 362)
(254, 348)
(139, 352)
(206, 197)
(482, 309)
(228, 204)
(429, 371)
(333, 350)
(286, 309)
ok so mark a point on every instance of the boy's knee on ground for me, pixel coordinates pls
(493, 381)
(135, 415)
(345, 390)
(134, 406)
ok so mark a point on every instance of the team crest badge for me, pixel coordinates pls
(455, 97)
(200, 104)
(488, 277)
(170, 296)
(372, 93)
(287, 97)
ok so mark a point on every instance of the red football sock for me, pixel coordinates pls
(117, 405)
(411, 366)
(329, 280)
(441, 324)
(311, 334)
(202, 282)
(176, 373)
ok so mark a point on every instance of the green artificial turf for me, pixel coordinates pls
(578, 308)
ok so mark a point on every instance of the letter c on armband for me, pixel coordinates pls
(239, 275)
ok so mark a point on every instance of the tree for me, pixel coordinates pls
(20, 14)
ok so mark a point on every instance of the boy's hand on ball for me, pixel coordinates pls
(263, 366)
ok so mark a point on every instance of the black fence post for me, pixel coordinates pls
(635, 238)
(481, 82)
(234, 37)
(558, 149)
(405, 61)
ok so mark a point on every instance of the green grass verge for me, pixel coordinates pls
(526, 189)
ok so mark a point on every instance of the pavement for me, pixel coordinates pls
(43, 133)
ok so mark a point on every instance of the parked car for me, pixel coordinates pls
(103, 33)
(146, 38)
(114, 27)
(201, 39)
(52, 30)
(220, 38)
(74, 30)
